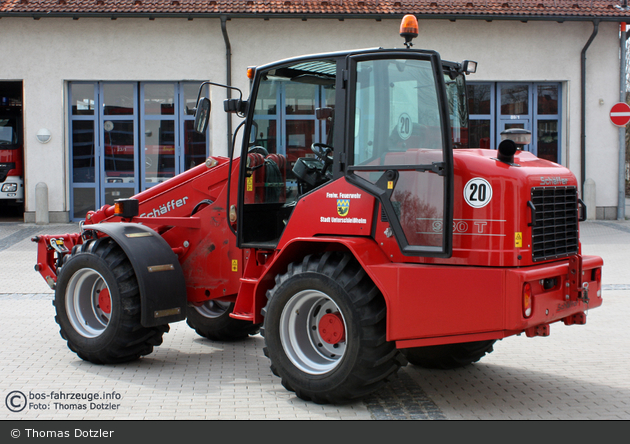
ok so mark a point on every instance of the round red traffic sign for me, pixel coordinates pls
(620, 114)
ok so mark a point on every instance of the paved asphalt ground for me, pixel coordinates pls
(579, 372)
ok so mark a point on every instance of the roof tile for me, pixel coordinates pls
(421, 8)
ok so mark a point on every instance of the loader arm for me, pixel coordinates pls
(172, 209)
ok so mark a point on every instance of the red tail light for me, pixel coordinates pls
(597, 275)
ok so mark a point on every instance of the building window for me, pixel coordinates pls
(128, 136)
(480, 105)
(495, 107)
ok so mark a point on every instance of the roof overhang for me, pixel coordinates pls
(453, 10)
(340, 17)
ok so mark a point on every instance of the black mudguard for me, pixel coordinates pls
(159, 273)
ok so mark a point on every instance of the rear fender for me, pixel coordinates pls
(158, 271)
(365, 251)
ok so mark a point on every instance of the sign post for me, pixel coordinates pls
(620, 116)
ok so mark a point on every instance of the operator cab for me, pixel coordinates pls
(385, 120)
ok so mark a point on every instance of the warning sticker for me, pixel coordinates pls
(518, 239)
(478, 192)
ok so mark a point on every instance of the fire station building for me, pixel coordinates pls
(107, 87)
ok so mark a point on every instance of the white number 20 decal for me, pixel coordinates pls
(478, 192)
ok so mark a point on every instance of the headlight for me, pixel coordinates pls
(9, 188)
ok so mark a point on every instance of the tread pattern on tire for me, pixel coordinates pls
(449, 356)
(378, 359)
(132, 340)
(222, 328)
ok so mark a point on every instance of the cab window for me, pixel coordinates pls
(396, 109)
(290, 144)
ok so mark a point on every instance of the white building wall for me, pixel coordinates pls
(50, 52)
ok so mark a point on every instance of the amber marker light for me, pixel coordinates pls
(126, 208)
(250, 72)
(409, 29)
(527, 300)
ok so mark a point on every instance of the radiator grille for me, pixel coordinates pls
(555, 233)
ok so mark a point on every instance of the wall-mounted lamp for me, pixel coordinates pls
(44, 135)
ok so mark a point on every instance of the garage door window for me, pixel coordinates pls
(128, 136)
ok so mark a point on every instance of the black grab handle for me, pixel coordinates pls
(581, 214)
(531, 205)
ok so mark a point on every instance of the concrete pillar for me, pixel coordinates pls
(41, 204)
(589, 199)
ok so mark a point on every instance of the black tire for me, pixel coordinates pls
(212, 320)
(330, 287)
(448, 356)
(82, 306)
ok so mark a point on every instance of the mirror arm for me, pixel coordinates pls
(237, 106)
(221, 85)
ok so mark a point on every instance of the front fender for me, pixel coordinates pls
(158, 271)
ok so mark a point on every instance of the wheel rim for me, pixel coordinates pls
(301, 337)
(83, 303)
(212, 309)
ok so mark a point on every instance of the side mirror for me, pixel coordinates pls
(202, 115)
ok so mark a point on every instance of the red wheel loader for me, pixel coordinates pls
(355, 230)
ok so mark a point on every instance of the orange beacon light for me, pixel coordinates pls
(409, 29)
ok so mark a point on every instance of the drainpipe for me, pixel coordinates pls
(583, 91)
(228, 81)
(621, 202)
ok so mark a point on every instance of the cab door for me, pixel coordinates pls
(399, 145)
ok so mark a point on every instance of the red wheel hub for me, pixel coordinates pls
(331, 328)
(105, 301)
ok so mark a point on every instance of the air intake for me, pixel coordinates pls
(555, 222)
